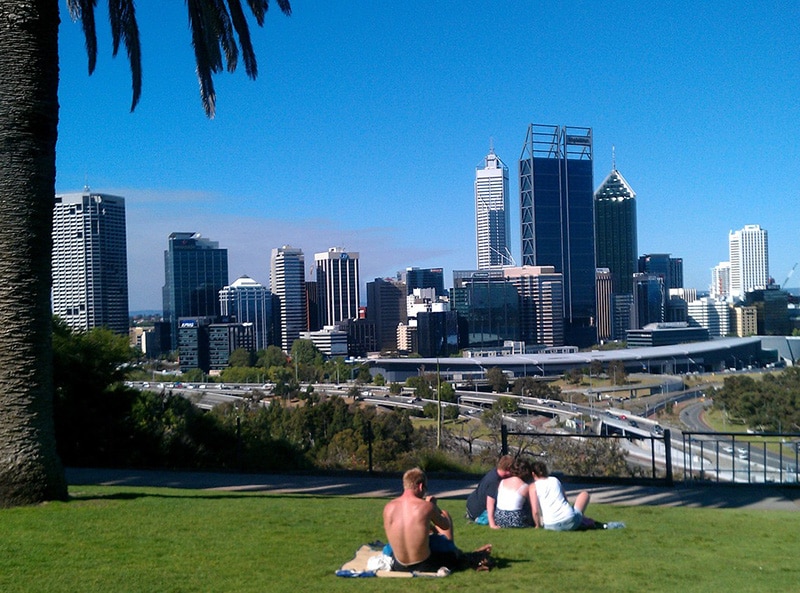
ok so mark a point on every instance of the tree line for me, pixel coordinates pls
(769, 404)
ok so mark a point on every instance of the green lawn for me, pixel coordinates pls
(120, 539)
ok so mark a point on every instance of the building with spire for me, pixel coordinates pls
(615, 230)
(90, 261)
(492, 213)
(557, 219)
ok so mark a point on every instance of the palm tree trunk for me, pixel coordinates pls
(30, 470)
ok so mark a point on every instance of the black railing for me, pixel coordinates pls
(738, 457)
(655, 460)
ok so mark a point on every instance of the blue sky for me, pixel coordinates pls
(367, 120)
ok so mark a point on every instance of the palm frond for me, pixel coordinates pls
(243, 30)
(122, 15)
(83, 11)
(213, 23)
(259, 9)
(207, 57)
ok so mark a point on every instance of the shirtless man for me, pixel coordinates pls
(419, 532)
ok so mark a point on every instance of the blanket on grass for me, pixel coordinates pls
(369, 561)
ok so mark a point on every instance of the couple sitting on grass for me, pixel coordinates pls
(520, 494)
(420, 534)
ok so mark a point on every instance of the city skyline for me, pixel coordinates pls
(365, 124)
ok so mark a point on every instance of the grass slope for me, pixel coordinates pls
(115, 539)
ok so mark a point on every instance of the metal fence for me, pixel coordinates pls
(741, 458)
(659, 446)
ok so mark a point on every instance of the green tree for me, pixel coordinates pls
(241, 357)
(30, 470)
(272, 356)
(497, 379)
(92, 407)
(617, 373)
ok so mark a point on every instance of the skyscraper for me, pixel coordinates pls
(424, 278)
(195, 270)
(287, 280)
(337, 285)
(721, 281)
(90, 261)
(250, 302)
(749, 258)
(615, 230)
(386, 308)
(541, 297)
(491, 213)
(557, 218)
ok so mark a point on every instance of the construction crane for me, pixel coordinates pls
(789, 275)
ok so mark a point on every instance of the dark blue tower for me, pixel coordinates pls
(557, 219)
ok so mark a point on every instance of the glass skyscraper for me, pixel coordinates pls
(247, 301)
(90, 261)
(195, 270)
(491, 213)
(557, 218)
(615, 231)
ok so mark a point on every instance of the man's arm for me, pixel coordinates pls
(438, 518)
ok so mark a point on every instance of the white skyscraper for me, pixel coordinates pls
(491, 213)
(721, 281)
(337, 285)
(288, 284)
(90, 261)
(749, 259)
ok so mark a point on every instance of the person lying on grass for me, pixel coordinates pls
(420, 534)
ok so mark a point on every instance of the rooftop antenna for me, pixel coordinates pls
(86, 182)
(491, 145)
(613, 158)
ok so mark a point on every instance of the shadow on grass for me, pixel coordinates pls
(219, 485)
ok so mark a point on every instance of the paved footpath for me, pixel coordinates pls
(766, 497)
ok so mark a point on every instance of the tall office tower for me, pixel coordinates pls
(490, 307)
(663, 265)
(247, 301)
(337, 285)
(195, 270)
(749, 257)
(288, 284)
(721, 281)
(557, 218)
(623, 315)
(424, 278)
(491, 213)
(615, 230)
(541, 295)
(386, 308)
(90, 261)
(648, 300)
(605, 296)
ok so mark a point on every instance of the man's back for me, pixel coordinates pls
(407, 522)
